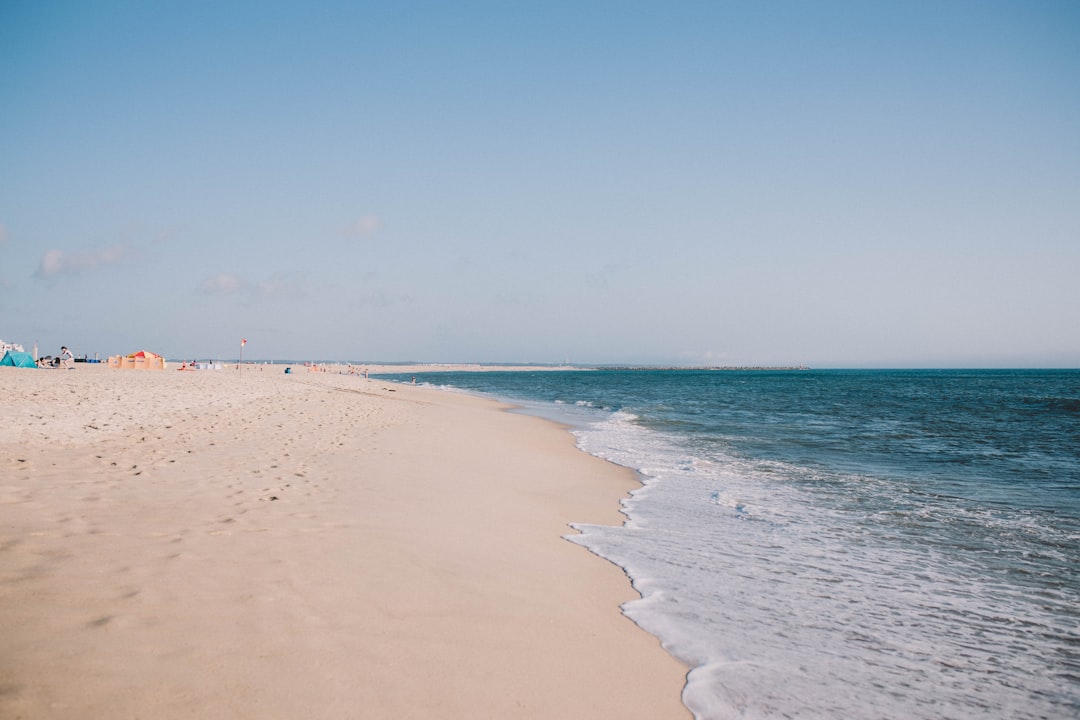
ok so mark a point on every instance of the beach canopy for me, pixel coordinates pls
(18, 359)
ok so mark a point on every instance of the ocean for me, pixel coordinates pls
(840, 544)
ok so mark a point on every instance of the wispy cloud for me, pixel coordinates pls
(278, 285)
(59, 262)
(222, 284)
(361, 227)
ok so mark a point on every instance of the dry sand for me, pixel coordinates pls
(259, 545)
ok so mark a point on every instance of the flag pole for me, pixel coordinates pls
(240, 365)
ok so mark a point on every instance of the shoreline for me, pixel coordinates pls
(316, 545)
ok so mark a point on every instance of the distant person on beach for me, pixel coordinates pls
(67, 360)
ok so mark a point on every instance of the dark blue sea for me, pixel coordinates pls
(841, 544)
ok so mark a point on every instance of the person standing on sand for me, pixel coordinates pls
(67, 360)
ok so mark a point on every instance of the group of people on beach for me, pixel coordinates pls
(66, 360)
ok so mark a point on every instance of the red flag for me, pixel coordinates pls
(243, 342)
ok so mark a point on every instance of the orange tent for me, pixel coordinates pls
(142, 360)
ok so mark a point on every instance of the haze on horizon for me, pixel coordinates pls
(836, 184)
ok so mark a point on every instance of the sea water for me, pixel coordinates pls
(841, 544)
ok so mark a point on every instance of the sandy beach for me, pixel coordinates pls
(216, 544)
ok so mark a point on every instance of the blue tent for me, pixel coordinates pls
(18, 359)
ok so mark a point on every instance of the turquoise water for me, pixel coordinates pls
(822, 544)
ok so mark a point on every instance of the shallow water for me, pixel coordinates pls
(822, 544)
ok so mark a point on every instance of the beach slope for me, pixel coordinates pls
(221, 545)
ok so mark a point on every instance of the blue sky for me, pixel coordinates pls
(835, 183)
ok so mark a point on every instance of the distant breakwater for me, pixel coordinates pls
(707, 367)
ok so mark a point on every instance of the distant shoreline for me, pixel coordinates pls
(399, 368)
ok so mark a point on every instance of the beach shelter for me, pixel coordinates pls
(18, 359)
(142, 360)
